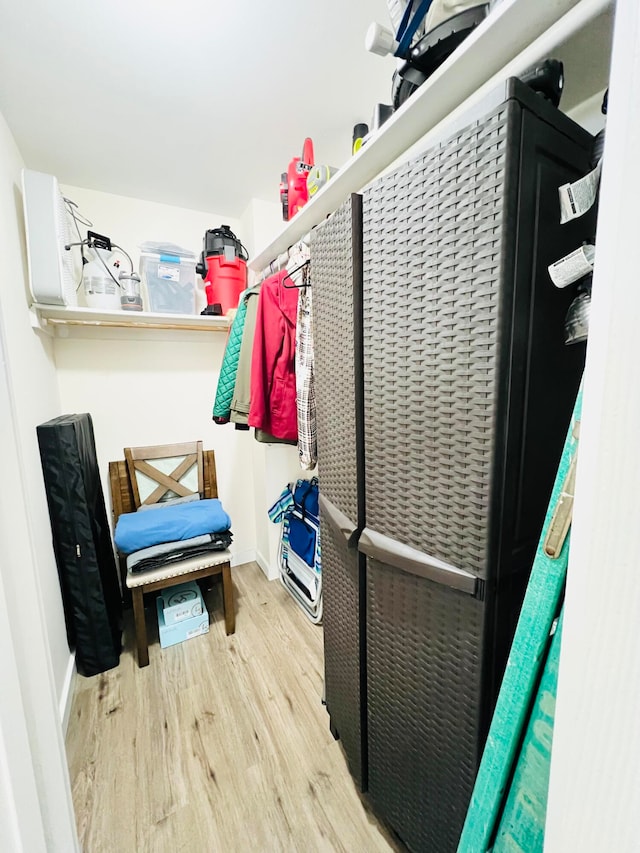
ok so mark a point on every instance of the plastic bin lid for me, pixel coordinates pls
(151, 248)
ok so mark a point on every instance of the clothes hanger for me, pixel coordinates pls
(305, 277)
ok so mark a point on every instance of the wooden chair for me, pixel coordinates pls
(149, 475)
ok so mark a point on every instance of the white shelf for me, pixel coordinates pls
(517, 34)
(56, 317)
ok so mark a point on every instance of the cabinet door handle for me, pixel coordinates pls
(341, 524)
(414, 562)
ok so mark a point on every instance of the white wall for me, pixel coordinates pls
(589, 113)
(28, 395)
(594, 787)
(260, 223)
(274, 465)
(33, 389)
(151, 386)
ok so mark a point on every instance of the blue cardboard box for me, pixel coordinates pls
(181, 602)
(180, 631)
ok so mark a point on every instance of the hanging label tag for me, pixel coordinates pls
(573, 266)
(577, 198)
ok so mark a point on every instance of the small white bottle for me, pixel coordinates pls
(100, 282)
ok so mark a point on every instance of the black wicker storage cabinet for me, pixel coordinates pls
(336, 250)
(468, 389)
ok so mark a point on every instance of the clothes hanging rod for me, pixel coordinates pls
(282, 260)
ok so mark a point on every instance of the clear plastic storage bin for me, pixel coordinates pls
(170, 281)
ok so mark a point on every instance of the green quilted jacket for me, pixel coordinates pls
(229, 369)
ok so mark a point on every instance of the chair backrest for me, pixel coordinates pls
(122, 499)
(165, 471)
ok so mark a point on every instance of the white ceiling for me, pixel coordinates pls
(196, 103)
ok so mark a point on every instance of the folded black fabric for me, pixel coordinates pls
(156, 557)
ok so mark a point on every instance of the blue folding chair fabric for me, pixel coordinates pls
(299, 553)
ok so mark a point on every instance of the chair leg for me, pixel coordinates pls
(227, 595)
(141, 627)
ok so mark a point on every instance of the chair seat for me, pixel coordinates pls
(177, 569)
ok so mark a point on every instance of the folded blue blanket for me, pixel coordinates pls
(136, 530)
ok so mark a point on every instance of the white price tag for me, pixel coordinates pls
(169, 272)
(577, 198)
(573, 266)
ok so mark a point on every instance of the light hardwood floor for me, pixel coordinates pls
(221, 745)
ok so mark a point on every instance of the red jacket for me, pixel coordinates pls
(273, 376)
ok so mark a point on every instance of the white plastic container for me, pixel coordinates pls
(170, 281)
(101, 289)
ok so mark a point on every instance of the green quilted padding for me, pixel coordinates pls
(229, 369)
